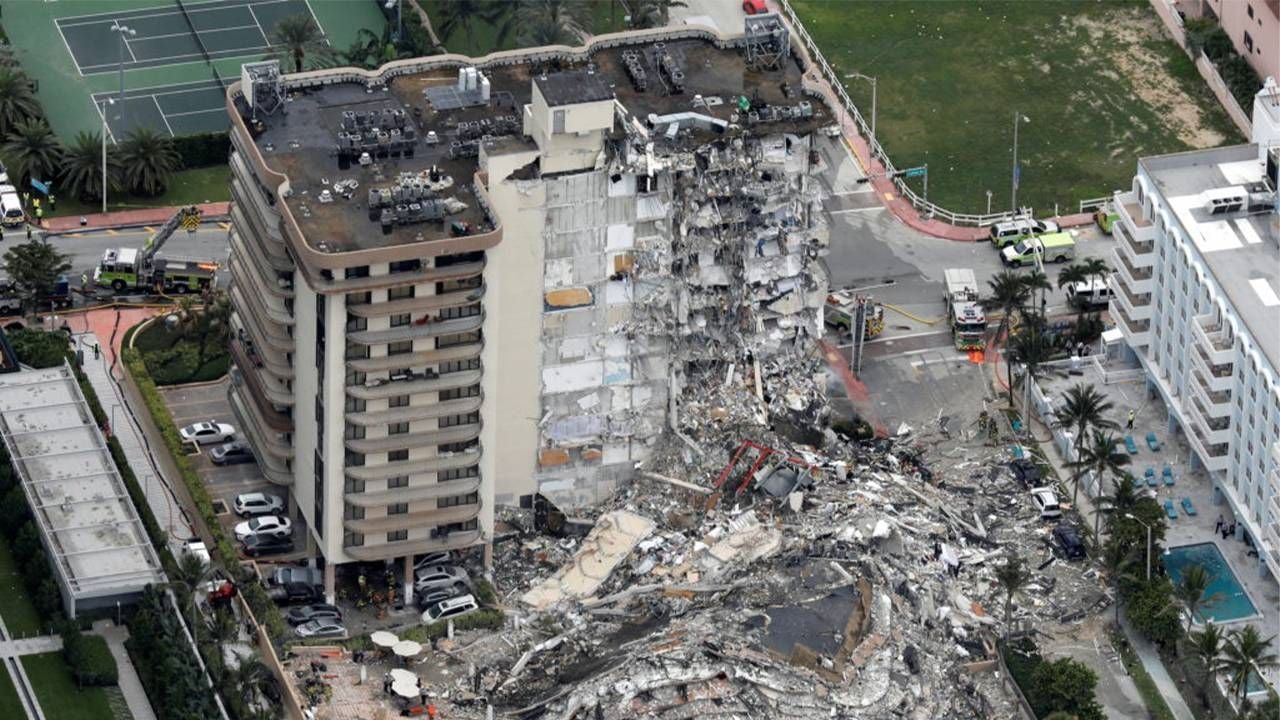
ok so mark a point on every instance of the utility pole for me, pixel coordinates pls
(1017, 117)
(124, 32)
(868, 78)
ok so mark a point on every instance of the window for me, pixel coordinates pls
(352, 512)
(445, 341)
(458, 473)
(455, 420)
(398, 481)
(406, 266)
(396, 401)
(400, 320)
(398, 509)
(457, 447)
(1249, 10)
(356, 324)
(355, 405)
(557, 121)
(352, 539)
(397, 536)
(359, 298)
(318, 465)
(360, 271)
(460, 312)
(457, 500)
(399, 428)
(351, 485)
(354, 432)
(402, 347)
(397, 456)
(319, 421)
(459, 365)
(400, 293)
(462, 392)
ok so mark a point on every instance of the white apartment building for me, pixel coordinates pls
(461, 283)
(1197, 270)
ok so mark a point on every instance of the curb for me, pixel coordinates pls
(125, 226)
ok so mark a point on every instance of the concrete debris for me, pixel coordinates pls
(609, 543)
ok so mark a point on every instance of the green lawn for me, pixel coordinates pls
(10, 705)
(1099, 82)
(183, 367)
(57, 692)
(188, 187)
(596, 16)
(19, 614)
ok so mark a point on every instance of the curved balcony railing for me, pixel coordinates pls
(414, 493)
(416, 305)
(272, 390)
(405, 441)
(415, 331)
(417, 359)
(411, 413)
(400, 468)
(390, 388)
(414, 520)
(382, 551)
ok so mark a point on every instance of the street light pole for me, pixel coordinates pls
(1017, 118)
(124, 32)
(107, 104)
(871, 80)
(1148, 527)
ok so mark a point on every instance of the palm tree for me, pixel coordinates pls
(1037, 280)
(1207, 645)
(1100, 457)
(1070, 275)
(1008, 296)
(365, 51)
(1031, 347)
(299, 38)
(222, 627)
(190, 573)
(1012, 577)
(214, 325)
(253, 678)
(1117, 564)
(549, 22)
(652, 13)
(1122, 499)
(1096, 268)
(34, 151)
(82, 168)
(1189, 594)
(1244, 654)
(17, 102)
(1082, 408)
(148, 160)
(464, 14)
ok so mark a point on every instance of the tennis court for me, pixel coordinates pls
(179, 109)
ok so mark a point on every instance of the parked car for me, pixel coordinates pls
(257, 503)
(207, 433)
(232, 453)
(196, 547)
(321, 629)
(435, 558)
(1011, 231)
(1026, 472)
(285, 574)
(293, 593)
(258, 545)
(1046, 501)
(1054, 247)
(754, 7)
(1068, 541)
(446, 609)
(427, 598)
(1096, 293)
(440, 576)
(317, 611)
(274, 525)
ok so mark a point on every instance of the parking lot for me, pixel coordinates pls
(208, 402)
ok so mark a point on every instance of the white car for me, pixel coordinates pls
(446, 609)
(207, 433)
(1046, 501)
(440, 576)
(321, 628)
(270, 525)
(256, 503)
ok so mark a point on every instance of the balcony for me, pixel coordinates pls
(1213, 456)
(414, 520)
(461, 271)
(411, 413)
(417, 359)
(1139, 227)
(1220, 378)
(378, 390)
(416, 331)
(1138, 279)
(1136, 332)
(383, 551)
(414, 493)
(439, 463)
(253, 373)
(1213, 429)
(1136, 306)
(271, 359)
(443, 436)
(259, 308)
(417, 305)
(248, 270)
(1216, 402)
(272, 442)
(1211, 336)
(272, 467)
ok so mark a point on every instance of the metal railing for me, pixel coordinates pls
(1094, 203)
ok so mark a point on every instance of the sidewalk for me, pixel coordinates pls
(129, 683)
(1155, 668)
(21, 683)
(124, 426)
(30, 646)
(127, 218)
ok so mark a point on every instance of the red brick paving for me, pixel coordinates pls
(124, 218)
(102, 323)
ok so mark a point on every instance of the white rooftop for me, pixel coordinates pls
(80, 503)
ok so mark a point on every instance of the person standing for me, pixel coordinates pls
(1133, 415)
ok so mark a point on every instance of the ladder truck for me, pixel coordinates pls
(144, 269)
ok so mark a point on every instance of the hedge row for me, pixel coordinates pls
(204, 149)
(18, 526)
(255, 595)
(165, 663)
(483, 619)
(89, 658)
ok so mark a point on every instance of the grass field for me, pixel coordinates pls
(596, 17)
(156, 339)
(57, 693)
(1099, 82)
(10, 705)
(19, 614)
(194, 186)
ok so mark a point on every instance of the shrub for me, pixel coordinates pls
(38, 348)
(203, 150)
(483, 619)
(1065, 685)
(1241, 80)
(1150, 607)
(88, 657)
(165, 663)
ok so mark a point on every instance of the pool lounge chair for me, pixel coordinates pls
(1130, 445)
(1150, 476)
(1187, 507)
(1168, 476)
(1153, 442)
(1137, 484)
(1168, 510)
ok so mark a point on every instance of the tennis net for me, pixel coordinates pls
(200, 42)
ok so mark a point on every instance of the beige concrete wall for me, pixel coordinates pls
(306, 383)
(1173, 24)
(333, 387)
(1254, 29)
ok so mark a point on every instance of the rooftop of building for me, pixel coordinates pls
(1240, 249)
(78, 499)
(303, 141)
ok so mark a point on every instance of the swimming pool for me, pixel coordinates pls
(1233, 603)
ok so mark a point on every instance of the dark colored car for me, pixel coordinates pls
(292, 593)
(318, 611)
(232, 453)
(256, 545)
(1068, 542)
(1026, 472)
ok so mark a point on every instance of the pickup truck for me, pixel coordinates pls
(1054, 247)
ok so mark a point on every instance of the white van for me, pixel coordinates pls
(1089, 294)
(11, 206)
(1011, 231)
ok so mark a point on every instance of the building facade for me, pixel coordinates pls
(1197, 274)
(1254, 29)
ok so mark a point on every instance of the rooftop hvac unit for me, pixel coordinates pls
(260, 82)
(1220, 201)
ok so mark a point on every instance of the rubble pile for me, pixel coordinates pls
(867, 591)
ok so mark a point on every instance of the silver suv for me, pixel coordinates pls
(440, 576)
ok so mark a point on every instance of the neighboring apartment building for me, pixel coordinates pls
(1254, 28)
(459, 285)
(1198, 278)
